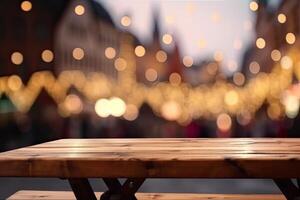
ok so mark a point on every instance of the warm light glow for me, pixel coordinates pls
(175, 78)
(140, 51)
(260, 43)
(281, 18)
(239, 78)
(73, 104)
(126, 21)
(47, 56)
(26, 6)
(102, 108)
(14, 83)
(202, 43)
(120, 64)
(253, 5)
(232, 65)
(161, 56)
(237, 44)
(78, 53)
(274, 111)
(218, 56)
(291, 104)
(286, 62)
(79, 10)
(167, 38)
(187, 61)
(16, 58)
(254, 67)
(110, 52)
(151, 74)
(117, 107)
(171, 110)
(275, 55)
(231, 98)
(212, 68)
(290, 38)
(131, 113)
(224, 122)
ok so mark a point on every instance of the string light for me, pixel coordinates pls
(260, 43)
(78, 53)
(175, 78)
(26, 6)
(239, 78)
(275, 55)
(110, 52)
(151, 74)
(281, 18)
(224, 122)
(187, 61)
(290, 38)
(79, 10)
(139, 51)
(218, 56)
(16, 58)
(161, 56)
(254, 67)
(120, 64)
(253, 5)
(126, 21)
(167, 38)
(286, 62)
(47, 56)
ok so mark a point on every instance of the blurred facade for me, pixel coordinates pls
(67, 63)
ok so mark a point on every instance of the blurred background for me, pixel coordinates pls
(148, 68)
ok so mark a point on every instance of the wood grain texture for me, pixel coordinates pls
(156, 158)
(55, 195)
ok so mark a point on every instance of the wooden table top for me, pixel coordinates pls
(156, 158)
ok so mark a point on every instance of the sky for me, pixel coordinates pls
(200, 27)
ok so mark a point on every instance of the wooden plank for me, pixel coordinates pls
(59, 195)
(156, 158)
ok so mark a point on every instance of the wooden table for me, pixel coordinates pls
(138, 159)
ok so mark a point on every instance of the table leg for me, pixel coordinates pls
(82, 189)
(288, 188)
(117, 191)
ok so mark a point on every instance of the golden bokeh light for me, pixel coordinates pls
(26, 6)
(102, 108)
(290, 38)
(47, 56)
(254, 67)
(120, 64)
(224, 122)
(286, 62)
(161, 56)
(131, 112)
(78, 53)
(151, 74)
(281, 18)
(73, 104)
(275, 55)
(218, 56)
(171, 110)
(167, 38)
(79, 10)
(126, 21)
(14, 83)
(253, 5)
(110, 52)
(139, 51)
(239, 78)
(274, 111)
(237, 44)
(16, 58)
(232, 65)
(175, 78)
(202, 43)
(260, 43)
(187, 61)
(117, 106)
(231, 98)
